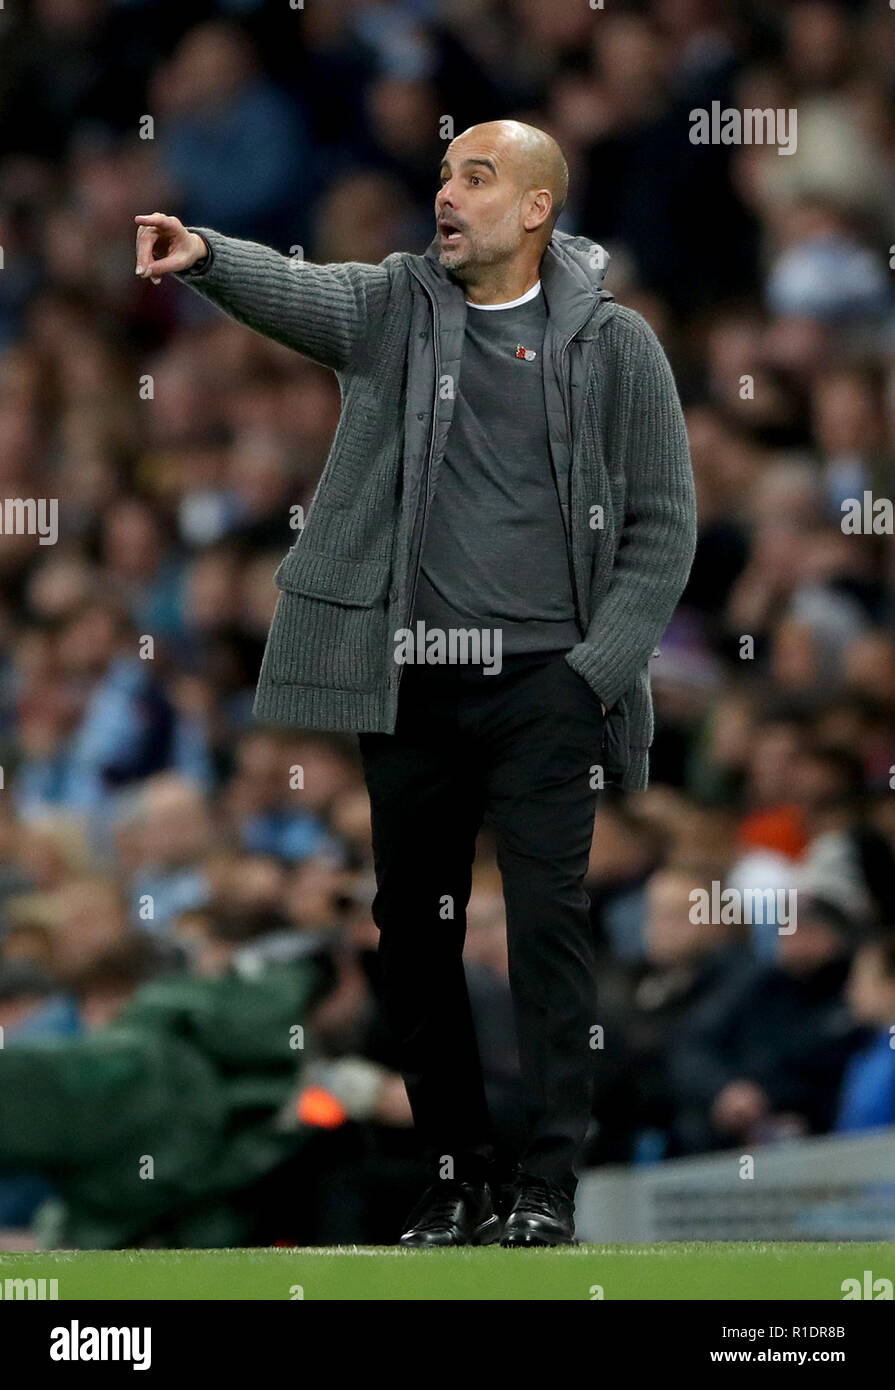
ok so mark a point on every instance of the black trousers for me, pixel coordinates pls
(516, 750)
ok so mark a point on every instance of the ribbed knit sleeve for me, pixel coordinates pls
(322, 311)
(658, 537)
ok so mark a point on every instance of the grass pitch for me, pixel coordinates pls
(680, 1271)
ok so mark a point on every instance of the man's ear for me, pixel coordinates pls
(539, 209)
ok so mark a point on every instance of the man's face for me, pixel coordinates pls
(810, 947)
(479, 207)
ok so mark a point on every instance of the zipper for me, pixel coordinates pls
(565, 405)
(591, 314)
(428, 469)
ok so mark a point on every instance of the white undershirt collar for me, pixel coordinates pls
(511, 303)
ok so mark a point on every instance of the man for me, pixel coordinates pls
(763, 1054)
(510, 477)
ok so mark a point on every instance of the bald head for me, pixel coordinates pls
(503, 185)
(534, 157)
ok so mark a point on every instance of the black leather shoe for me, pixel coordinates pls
(542, 1214)
(452, 1213)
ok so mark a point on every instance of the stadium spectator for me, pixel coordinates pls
(763, 1055)
(867, 1097)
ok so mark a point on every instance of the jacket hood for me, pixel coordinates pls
(586, 260)
(572, 272)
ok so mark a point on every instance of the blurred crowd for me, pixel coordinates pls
(185, 897)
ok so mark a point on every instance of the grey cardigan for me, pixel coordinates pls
(393, 334)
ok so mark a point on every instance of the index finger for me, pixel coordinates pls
(157, 219)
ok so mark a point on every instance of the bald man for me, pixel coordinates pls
(501, 532)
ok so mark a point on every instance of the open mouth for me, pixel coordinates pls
(449, 230)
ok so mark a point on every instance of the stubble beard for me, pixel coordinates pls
(478, 256)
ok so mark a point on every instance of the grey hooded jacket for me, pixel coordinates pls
(393, 334)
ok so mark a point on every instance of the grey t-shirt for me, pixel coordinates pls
(494, 553)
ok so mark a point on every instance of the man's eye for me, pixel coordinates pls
(476, 178)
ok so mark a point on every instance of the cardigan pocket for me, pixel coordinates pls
(330, 626)
(355, 583)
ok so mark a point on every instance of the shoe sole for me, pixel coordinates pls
(523, 1238)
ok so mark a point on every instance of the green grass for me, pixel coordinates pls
(680, 1271)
